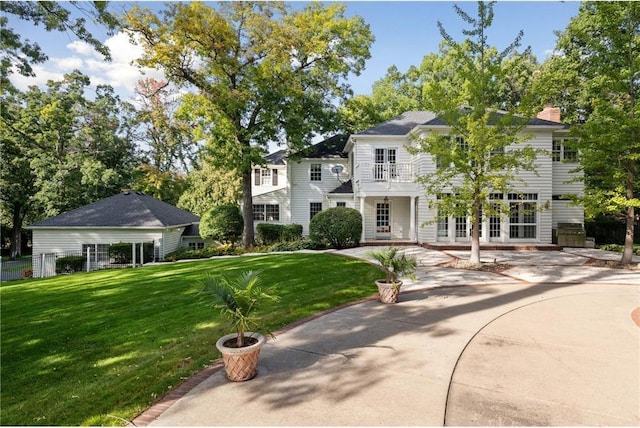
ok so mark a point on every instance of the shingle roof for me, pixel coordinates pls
(332, 147)
(346, 187)
(276, 158)
(404, 123)
(126, 209)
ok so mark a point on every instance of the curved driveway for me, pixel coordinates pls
(506, 350)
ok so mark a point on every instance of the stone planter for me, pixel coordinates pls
(388, 292)
(240, 363)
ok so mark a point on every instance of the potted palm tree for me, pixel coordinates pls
(238, 298)
(394, 264)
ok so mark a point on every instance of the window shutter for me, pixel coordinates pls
(256, 173)
(274, 180)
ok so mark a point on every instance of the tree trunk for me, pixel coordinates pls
(475, 235)
(627, 254)
(16, 234)
(248, 238)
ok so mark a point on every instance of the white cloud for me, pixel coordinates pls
(82, 48)
(43, 74)
(67, 64)
(121, 72)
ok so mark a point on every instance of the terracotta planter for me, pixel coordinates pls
(240, 363)
(388, 292)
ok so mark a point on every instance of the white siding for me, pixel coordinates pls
(564, 212)
(65, 240)
(304, 191)
(563, 183)
(171, 240)
(280, 198)
(260, 189)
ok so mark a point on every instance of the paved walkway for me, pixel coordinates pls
(549, 341)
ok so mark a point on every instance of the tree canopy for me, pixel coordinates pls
(481, 154)
(595, 78)
(259, 73)
(54, 16)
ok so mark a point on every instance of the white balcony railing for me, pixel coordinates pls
(386, 172)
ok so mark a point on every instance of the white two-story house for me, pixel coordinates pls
(374, 173)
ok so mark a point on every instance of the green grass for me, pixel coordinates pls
(89, 348)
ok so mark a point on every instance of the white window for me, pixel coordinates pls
(341, 204)
(262, 212)
(523, 215)
(97, 252)
(196, 245)
(265, 177)
(562, 150)
(315, 172)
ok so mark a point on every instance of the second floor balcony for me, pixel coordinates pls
(386, 172)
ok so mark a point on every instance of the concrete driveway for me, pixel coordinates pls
(460, 348)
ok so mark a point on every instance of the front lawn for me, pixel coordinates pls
(98, 348)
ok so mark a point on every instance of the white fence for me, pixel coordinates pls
(93, 257)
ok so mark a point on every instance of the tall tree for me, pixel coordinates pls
(482, 154)
(166, 141)
(54, 16)
(209, 186)
(399, 92)
(62, 150)
(16, 176)
(261, 74)
(600, 51)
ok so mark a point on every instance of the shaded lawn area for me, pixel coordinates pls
(90, 348)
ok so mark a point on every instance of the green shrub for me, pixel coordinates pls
(301, 244)
(205, 253)
(69, 264)
(291, 232)
(222, 223)
(269, 234)
(619, 248)
(121, 252)
(340, 227)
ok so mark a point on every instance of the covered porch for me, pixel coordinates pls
(389, 219)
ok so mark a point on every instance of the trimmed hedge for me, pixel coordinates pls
(340, 227)
(269, 234)
(302, 244)
(222, 223)
(69, 264)
(205, 253)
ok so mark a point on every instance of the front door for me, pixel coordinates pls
(383, 220)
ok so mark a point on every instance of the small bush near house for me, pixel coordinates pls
(272, 233)
(222, 223)
(340, 227)
(69, 264)
(205, 253)
(122, 251)
(268, 233)
(291, 232)
(302, 244)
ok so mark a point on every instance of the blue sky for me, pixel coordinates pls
(404, 31)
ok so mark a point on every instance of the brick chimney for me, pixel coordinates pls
(550, 113)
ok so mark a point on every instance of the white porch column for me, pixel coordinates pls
(362, 239)
(412, 219)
